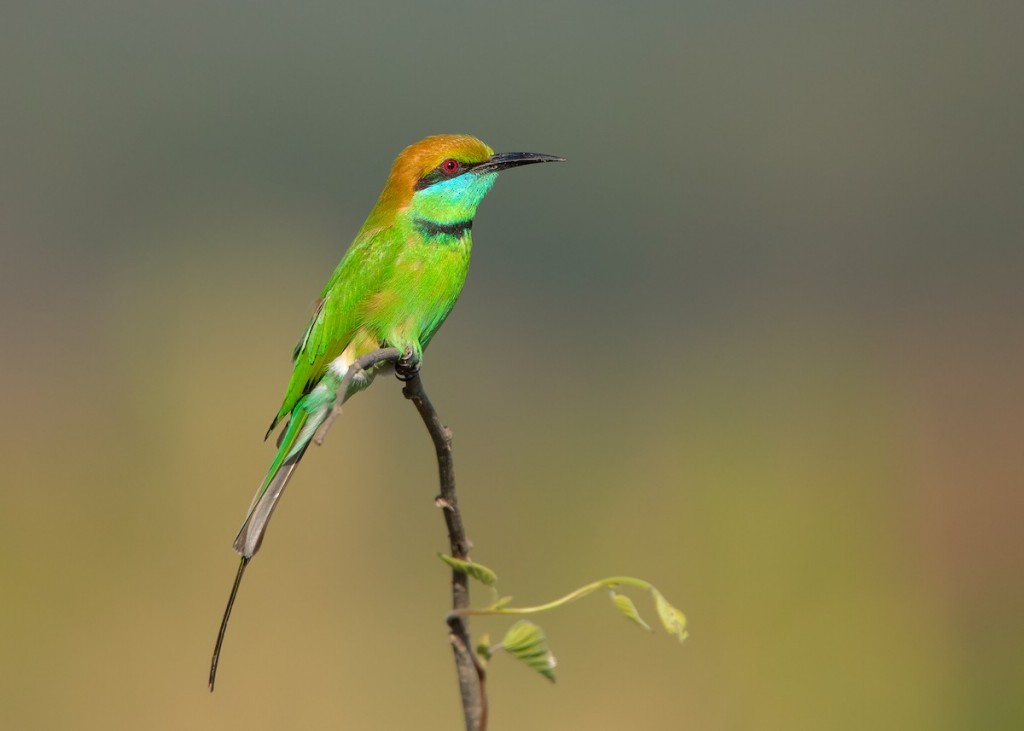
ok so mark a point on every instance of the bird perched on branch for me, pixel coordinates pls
(394, 288)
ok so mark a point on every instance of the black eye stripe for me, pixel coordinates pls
(439, 173)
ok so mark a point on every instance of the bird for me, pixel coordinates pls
(394, 287)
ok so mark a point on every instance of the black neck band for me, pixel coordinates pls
(432, 228)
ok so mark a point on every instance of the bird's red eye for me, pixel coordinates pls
(450, 165)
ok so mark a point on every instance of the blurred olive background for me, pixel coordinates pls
(758, 341)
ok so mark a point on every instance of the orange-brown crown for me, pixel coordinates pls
(416, 161)
(420, 158)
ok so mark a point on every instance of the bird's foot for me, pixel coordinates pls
(407, 367)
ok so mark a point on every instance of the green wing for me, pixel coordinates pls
(336, 318)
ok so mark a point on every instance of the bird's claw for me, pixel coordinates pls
(407, 367)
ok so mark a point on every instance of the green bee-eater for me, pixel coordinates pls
(394, 287)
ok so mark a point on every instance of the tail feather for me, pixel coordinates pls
(307, 416)
(250, 536)
(290, 451)
(224, 623)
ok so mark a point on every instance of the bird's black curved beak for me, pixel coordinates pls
(503, 160)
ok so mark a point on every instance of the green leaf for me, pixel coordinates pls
(673, 620)
(627, 608)
(525, 641)
(478, 571)
(501, 603)
(483, 647)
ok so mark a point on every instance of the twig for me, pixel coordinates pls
(361, 364)
(472, 680)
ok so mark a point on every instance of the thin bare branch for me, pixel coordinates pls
(472, 679)
(362, 363)
(471, 676)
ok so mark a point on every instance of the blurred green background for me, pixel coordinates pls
(758, 341)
